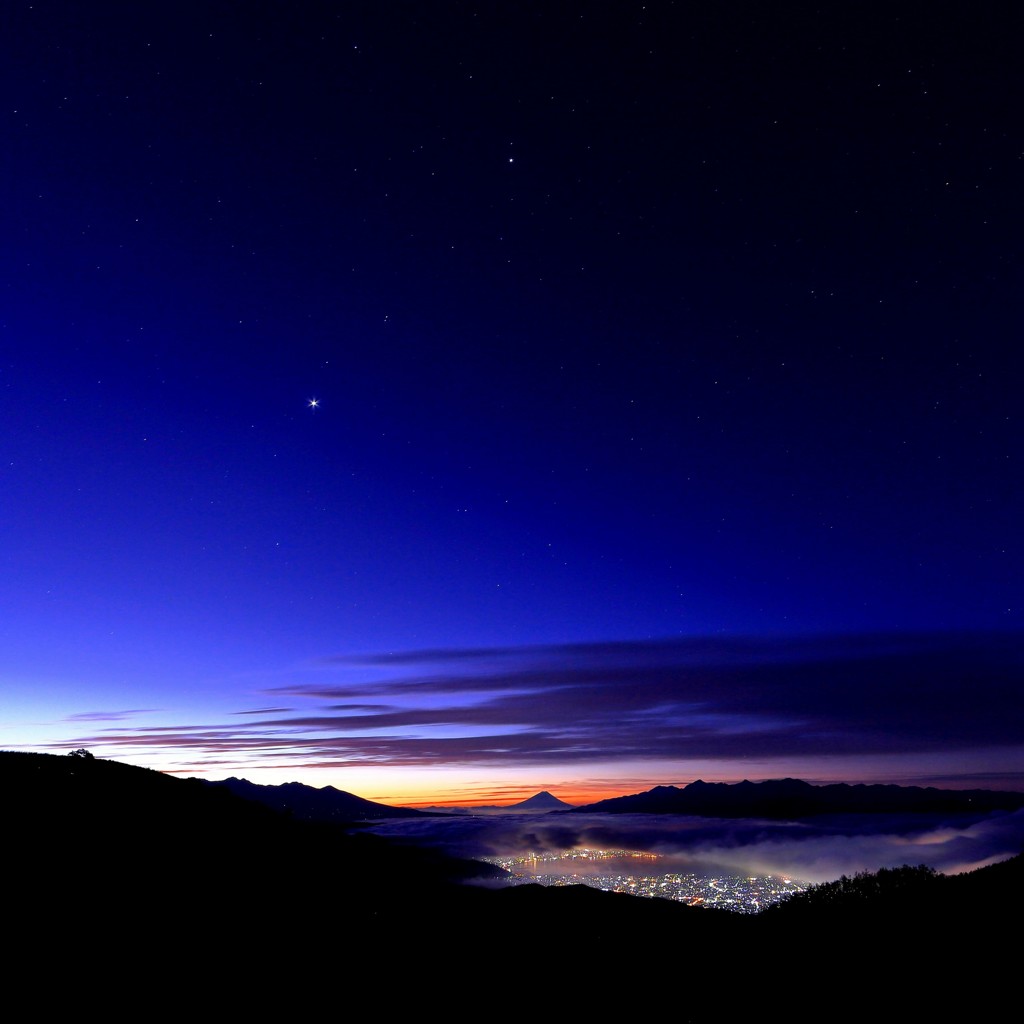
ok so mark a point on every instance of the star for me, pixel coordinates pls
(313, 403)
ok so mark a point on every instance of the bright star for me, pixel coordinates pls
(313, 403)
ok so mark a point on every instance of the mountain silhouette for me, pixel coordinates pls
(127, 885)
(542, 801)
(311, 804)
(793, 799)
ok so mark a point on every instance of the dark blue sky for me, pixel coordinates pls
(628, 323)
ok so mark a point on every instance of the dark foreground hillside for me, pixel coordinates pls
(137, 892)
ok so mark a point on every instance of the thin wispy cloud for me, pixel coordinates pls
(262, 711)
(108, 716)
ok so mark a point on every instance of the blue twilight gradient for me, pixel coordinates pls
(623, 324)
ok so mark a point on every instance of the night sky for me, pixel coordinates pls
(446, 401)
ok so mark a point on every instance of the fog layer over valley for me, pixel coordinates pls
(816, 851)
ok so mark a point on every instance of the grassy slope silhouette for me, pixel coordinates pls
(128, 881)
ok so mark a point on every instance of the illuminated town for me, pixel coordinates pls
(745, 894)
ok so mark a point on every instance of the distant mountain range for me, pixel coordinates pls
(308, 803)
(792, 799)
(778, 799)
(327, 804)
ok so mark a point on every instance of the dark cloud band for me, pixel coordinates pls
(706, 699)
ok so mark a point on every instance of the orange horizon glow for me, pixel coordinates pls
(576, 798)
(462, 786)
